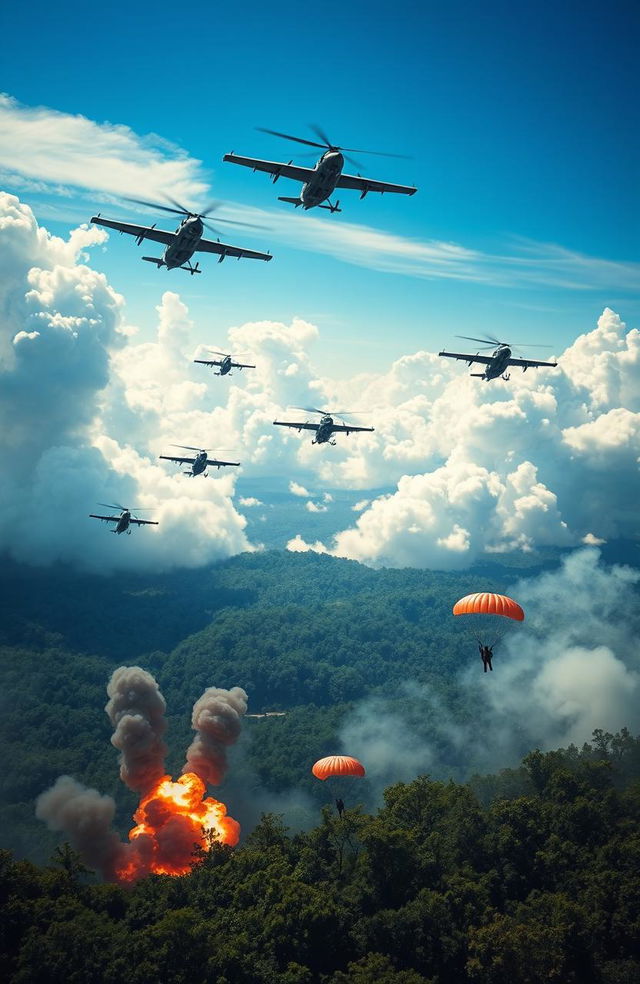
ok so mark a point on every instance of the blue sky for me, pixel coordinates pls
(521, 119)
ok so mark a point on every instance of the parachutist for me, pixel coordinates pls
(486, 652)
(340, 807)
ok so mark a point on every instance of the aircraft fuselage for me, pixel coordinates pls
(188, 235)
(323, 183)
(199, 464)
(499, 364)
(225, 366)
(123, 523)
(324, 431)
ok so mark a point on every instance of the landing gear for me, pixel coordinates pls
(506, 377)
(190, 268)
(332, 208)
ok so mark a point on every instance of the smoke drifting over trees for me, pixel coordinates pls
(172, 817)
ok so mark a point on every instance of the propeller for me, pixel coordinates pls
(179, 209)
(130, 509)
(235, 355)
(490, 342)
(328, 413)
(327, 145)
(207, 451)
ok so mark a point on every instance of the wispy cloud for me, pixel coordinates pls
(44, 150)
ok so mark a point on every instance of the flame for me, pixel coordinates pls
(172, 821)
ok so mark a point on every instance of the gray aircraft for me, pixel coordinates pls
(199, 462)
(226, 365)
(124, 520)
(185, 241)
(498, 362)
(319, 182)
(326, 428)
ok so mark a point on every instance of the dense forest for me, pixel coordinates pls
(522, 874)
(304, 633)
(530, 876)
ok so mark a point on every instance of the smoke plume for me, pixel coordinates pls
(136, 710)
(174, 820)
(217, 720)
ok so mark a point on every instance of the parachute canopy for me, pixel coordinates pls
(337, 765)
(485, 603)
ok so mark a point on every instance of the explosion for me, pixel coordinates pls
(175, 820)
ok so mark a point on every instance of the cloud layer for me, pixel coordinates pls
(549, 458)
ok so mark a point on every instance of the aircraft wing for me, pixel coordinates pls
(530, 363)
(219, 464)
(107, 519)
(347, 429)
(223, 249)
(365, 185)
(180, 461)
(139, 231)
(272, 167)
(143, 522)
(208, 362)
(484, 359)
(305, 426)
(241, 365)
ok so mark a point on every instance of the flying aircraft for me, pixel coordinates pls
(226, 365)
(185, 241)
(326, 427)
(199, 463)
(124, 520)
(498, 362)
(319, 182)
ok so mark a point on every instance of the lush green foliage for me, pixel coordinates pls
(306, 633)
(535, 887)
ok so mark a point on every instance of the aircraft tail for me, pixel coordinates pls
(154, 259)
(292, 201)
(480, 375)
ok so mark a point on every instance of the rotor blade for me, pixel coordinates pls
(484, 341)
(310, 410)
(376, 153)
(247, 225)
(530, 345)
(287, 136)
(320, 133)
(186, 447)
(163, 208)
(179, 206)
(217, 352)
(355, 163)
(108, 505)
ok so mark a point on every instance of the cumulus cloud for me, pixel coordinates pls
(76, 417)
(543, 460)
(547, 459)
(572, 666)
(297, 489)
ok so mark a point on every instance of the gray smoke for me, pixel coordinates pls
(571, 667)
(136, 709)
(217, 719)
(86, 817)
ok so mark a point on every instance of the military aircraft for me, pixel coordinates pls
(199, 463)
(124, 520)
(185, 241)
(226, 365)
(498, 362)
(319, 182)
(326, 427)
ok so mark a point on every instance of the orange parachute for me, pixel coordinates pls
(485, 603)
(337, 765)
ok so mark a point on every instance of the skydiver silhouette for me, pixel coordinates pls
(340, 807)
(486, 652)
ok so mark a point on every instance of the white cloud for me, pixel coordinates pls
(297, 489)
(315, 507)
(77, 416)
(54, 150)
(249, 501)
